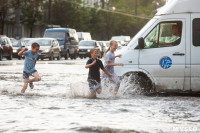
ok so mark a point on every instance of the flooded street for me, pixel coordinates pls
(59, 103)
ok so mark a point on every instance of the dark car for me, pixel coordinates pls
(49, 48)
(86, 46)
(17, 47)
(5, 48)
(103, 47)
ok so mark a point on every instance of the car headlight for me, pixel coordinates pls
(88, 50)
(14, 50)
(46, 51)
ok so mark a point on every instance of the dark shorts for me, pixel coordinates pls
(26, 75)
(94, 86)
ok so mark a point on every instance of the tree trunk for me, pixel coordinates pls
(31, 31)
(136, 6)
(102, 4)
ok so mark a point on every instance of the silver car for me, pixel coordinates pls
(49, 48)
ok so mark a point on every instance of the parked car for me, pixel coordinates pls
(121, 38)
(68, 41)
(49, 48)
(84, 36)
(27, 39)
(17, 47)
(118, 42)
(5, 48)
(103, 47)
(86, 46)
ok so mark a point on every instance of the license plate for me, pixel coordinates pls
(82, 52)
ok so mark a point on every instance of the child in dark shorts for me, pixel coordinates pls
(29, 66)
(94, 65)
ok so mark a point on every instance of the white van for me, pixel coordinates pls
(161, 60)
(84, 36)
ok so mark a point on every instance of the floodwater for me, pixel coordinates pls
(59, 103)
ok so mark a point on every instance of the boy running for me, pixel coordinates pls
(94, 66)
(29, 66)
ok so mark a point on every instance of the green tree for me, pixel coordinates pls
(31, 13)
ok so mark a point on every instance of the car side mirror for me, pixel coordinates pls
(141, 43)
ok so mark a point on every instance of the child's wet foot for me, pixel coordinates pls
(31, 85)
(23, 90)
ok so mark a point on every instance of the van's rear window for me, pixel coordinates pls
(196, 32)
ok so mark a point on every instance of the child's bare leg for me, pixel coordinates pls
(92, 94)
(115, 91)
(25, 85)
(98, 91)
(36, 77)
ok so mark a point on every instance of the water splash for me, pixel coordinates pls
(130, 86)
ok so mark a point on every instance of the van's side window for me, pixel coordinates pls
(196, 32)
(165, 34)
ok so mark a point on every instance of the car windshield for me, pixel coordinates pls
(26, 40)
(60, 36)
(16, 44)
(41, 42)
(87, 43)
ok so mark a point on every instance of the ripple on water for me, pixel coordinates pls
(101, 129)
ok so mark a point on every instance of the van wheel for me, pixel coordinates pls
(72, 57)
(136, 83)
(67, 56)
(10, 56)
(75, 56)
(51, 57)
(1, 55)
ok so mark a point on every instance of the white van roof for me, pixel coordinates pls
(180, 6)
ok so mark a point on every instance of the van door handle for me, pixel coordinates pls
(178, 54)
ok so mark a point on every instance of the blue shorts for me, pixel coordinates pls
(96, 86)
(26, 75)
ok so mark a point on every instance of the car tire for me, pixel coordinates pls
(67, 56)
(1, 55)
(51, 56)
(19, 57)
(10, 56)
(58, 58)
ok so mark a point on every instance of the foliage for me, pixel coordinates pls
(102, 22)
(31, 13)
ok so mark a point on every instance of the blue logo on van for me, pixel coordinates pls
(165, 62)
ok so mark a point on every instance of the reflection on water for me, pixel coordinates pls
(60, 103)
